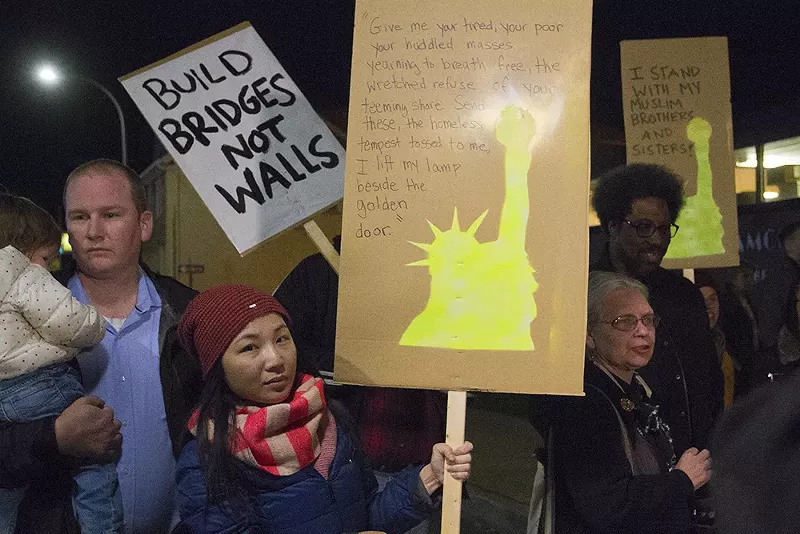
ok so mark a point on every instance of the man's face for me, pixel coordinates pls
(641, 255)
(105, 230)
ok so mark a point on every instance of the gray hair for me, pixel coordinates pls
(602, 284)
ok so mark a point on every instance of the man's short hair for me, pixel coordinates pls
(618, 188)
(111, 166)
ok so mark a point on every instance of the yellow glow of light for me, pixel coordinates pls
(700, 220)
(65, 246)
(482, 293)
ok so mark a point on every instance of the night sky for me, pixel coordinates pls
(46, 132)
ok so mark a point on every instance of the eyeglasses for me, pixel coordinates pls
(627, 323)
(646, 228)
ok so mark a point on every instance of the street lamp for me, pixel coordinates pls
(48, 75)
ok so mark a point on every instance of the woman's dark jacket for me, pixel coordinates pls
(684, 372)
(596, 490)
(305, 502)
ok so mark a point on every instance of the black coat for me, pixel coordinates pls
(347, 500)
(756, 461)
(310, 295)
(684, 372)
(596, 490)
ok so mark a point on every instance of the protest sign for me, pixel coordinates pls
(676, 101)
(464, 239)
(248, 140)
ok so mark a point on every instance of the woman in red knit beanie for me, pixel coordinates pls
(270, 454)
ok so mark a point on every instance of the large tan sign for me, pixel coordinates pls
(464, 240)
(676, 99)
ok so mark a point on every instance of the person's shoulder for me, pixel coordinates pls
(10, 252)
(313, 267)
(768, 411)
(12, 262)
(161, 280)
(602, 394)
(345, 422)
(316, 265)
(603, 263)
(571, 410)
(596, 401)
(188, 470)
(584, 422)
(673, 283)
(19, 276)
(176, 293)
(754, 438)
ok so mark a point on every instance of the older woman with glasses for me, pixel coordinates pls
(615, 469)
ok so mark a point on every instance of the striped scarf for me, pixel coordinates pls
(283, 438)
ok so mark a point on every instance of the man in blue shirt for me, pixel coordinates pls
(138, 369)
(107, 222)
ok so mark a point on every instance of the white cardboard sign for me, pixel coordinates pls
(260, 157)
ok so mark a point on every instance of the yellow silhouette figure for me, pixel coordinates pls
(482, 293)
(700, 220)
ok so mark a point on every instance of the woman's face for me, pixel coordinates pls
(712, 304)
(623, 352)
(261, 362)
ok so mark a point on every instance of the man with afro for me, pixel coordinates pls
(638, 205)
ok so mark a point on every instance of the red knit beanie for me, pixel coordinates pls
(216, 316)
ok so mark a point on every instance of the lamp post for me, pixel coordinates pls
(50, 76)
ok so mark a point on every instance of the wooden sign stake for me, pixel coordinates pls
(318, 237)
(451, 494)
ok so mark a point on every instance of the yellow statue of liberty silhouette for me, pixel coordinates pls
(700, 220)
(482, 293)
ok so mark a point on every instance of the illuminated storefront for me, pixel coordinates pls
(780, 161)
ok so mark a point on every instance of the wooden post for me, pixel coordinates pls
(318, 237)
(451, 494)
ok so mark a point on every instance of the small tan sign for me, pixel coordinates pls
(676, 100)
